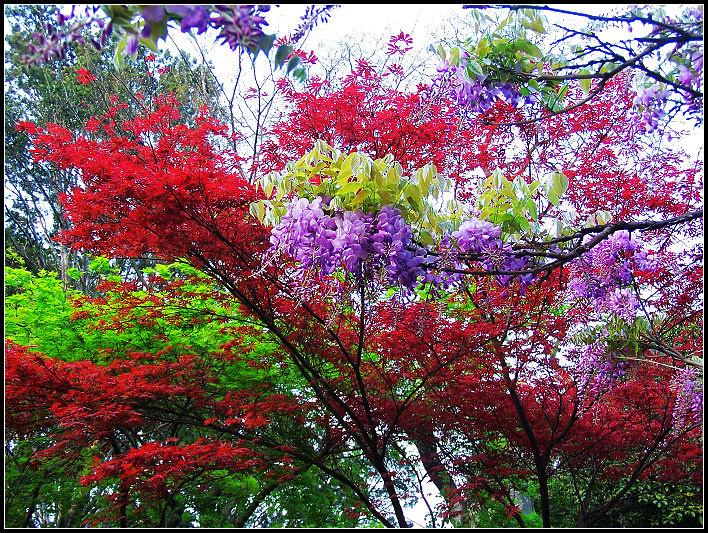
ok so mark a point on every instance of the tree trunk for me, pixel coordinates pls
(543, 492)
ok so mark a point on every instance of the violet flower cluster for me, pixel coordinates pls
(688, 407)
(440, 277)
(650, 102)
(240, 26)
(364, 245)
(597, 369)
(56, 41)
(649, 107)
(603, 273)
(476, 95)
(482, 240)
(692, 76)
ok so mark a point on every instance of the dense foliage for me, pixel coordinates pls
(388, 306)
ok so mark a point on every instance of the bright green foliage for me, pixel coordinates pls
(509, 204)
(515, 205)
(65, 325)
(659, 505)
(665, 506)
(38, 314)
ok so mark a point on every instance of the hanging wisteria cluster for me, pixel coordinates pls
(604, 273)
(597, 367)
(239, 26)
(649, 107)
(482, 240)
(651, 101)
(688, 406)
(73, 27)
(364, 245)
(476, 95)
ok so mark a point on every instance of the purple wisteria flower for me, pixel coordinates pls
(362, 245)
(476, 236)
(688, 407)
(483, 239)
(685, 75)
(649, 107)
(351, 243)
(240, 25)
(621, 302)
(55, 42)
(447, 259)
(131, 45)
(399, 256)
(154, 13)
(603, 273)
(477, 95)
(597, 368)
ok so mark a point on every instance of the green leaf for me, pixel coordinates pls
(352, 186)
(522, 222)
(473, 70)
(281, 54)
(149, 43)
(292, 64)
(414, 192)
(528, 47)
(534, 25)
(74, 273)
(300, 74)
(268, 189)
(265, 43)
(585, 84)
(118, 60)
(257, 209)
(121, 15)
(455, 56)
(346, 170)
(441, 52)
(100, 265)
(426, 238)
(393, 176)
(503, 23)
(603, 217)
(556, 187)
(607, 67)
(360, 197)
(533, 210)
(483, 48)
(158, 30)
